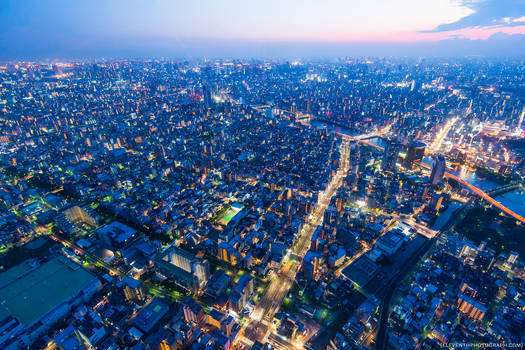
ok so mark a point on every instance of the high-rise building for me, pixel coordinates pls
(206, 94)
(438, 170)
(416, 85)
(438, 203)
(390, 155)
(415, 153)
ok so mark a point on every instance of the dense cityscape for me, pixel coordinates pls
(262, 204)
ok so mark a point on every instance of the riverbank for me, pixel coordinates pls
(500, 232)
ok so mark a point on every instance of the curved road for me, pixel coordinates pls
(471, 187)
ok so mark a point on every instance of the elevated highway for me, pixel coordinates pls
(449, 175)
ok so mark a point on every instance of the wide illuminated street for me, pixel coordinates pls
(259, 204)
(261, 317)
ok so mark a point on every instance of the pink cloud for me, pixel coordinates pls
(414, 36)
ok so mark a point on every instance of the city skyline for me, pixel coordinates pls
(262, 204)
(271, 175)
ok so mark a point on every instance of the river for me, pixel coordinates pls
(514, 200)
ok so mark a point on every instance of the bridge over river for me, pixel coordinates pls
(486, 196)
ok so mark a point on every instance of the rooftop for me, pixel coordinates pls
(150, 315)
(120, 231)
(28, 294)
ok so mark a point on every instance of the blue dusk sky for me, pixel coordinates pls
(249, 28)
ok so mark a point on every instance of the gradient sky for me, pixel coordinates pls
(62, 27)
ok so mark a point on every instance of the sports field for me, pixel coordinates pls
(233, 210)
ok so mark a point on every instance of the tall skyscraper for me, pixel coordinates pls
(390, 155)
(438, 170)
(206, 93)
(415, 153)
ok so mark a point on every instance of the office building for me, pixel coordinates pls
(390, 155)
(415, 153)
(438, 170)
(206, 93)
(149, 315)
(512, 259)
(390, 242)
(193, 312)
(115, 235)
